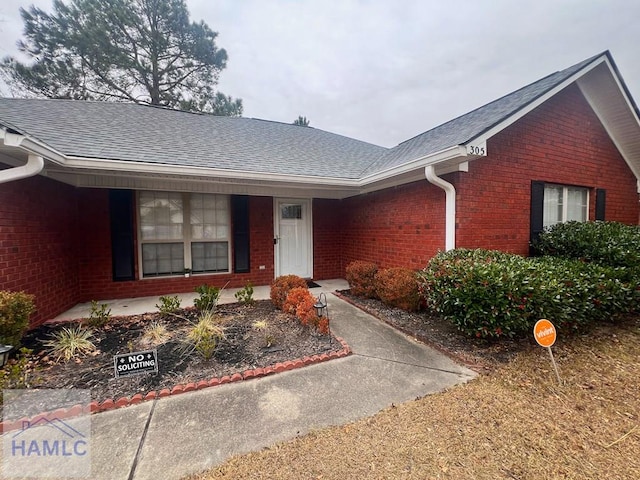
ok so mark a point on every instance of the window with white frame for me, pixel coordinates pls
(183, 230)
(565, 204)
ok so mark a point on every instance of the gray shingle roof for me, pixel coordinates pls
(137, 133)
(470, 125)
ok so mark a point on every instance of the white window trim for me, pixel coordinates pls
(565, 199)
(186, 240)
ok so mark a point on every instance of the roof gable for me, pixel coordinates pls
(466, 128)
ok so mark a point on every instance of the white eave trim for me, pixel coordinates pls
(451, 153)
(147, 168)
(164, 169)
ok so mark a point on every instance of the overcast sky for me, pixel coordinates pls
(384, 71)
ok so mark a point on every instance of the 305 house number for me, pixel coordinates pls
(476, 150)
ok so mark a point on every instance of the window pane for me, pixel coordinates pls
(161, 215)
(552, 205)
(209, 216)
(162, 259)
(210, 256)
(577, 207)
(291, 212)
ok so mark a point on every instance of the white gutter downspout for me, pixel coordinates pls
(34, 165)
(450, 205)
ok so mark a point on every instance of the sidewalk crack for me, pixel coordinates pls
(444, 370)
(134, 465)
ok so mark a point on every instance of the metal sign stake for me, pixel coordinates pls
(555, 367)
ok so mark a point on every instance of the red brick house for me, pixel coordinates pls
(112, 200)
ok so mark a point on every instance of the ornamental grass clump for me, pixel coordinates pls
(70, 343)
(205, 335)
(156, 333)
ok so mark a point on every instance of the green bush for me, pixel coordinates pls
(168, 305)
(606, 243)
(207, 299)
(362, 278)
(398, 287)
(16, 373)
(245, 294)
(15, 309)
(282, 285)
(493, 294)
(100, 314)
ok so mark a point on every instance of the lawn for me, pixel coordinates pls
(515, 422)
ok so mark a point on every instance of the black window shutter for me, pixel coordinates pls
(240, 219)
(601, 199)
(537, 209)
(122, 247)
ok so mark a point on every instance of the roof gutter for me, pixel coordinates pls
(34, 165)
(450, 205)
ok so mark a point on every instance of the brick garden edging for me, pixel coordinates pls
(111, 404)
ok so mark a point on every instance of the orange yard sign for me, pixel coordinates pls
(544, 333)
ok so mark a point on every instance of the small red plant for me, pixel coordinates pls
(282, 285)
(306, 313)
(398, 287)
(323, 326)
(361, 278)
(295, 297)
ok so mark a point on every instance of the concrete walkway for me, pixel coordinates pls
(175, 436)
(138, 305)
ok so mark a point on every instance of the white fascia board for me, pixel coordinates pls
(450, 153)
(31, 145)
(536, 103)
(164, 169)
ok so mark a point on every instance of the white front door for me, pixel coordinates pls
(293, 248)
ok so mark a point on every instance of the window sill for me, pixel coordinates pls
(182, 275)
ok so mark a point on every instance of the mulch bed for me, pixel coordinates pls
(244, 347)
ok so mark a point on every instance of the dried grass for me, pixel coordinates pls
(515, 423)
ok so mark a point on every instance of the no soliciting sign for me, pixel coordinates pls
(127, 364)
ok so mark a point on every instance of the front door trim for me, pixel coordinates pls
(308, 228)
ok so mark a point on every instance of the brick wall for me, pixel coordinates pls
(563, 142)
(401, 226)
(55, 239)
(95, 261)
(328, 239)
(38, 243)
